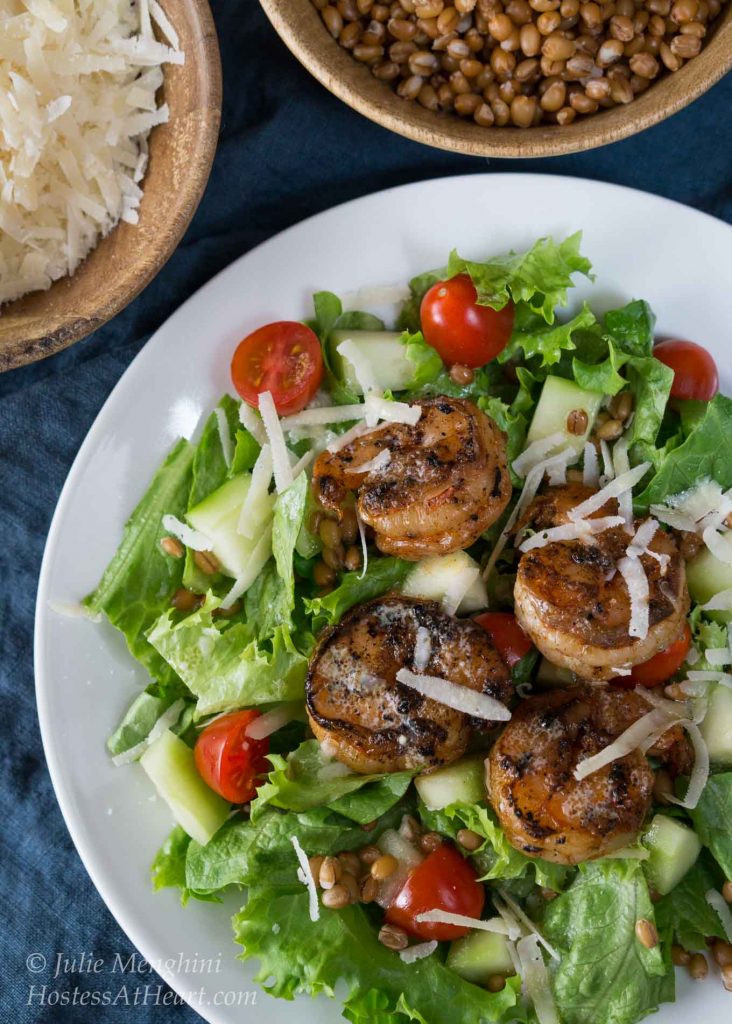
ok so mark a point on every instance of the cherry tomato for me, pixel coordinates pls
(463, 332)
(284, 358)
(507, 636)
(661, 666)
(228, 760)
(695, 372)
(443, 881)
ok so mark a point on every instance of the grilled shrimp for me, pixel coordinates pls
(446, 481)
(544, 811)
(575, 605)
(371, 722)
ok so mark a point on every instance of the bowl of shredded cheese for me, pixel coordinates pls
(109, 119)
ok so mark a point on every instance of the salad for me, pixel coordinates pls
(437, 625)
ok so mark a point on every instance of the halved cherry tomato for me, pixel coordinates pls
(228, 760)
(661, 666)
(443, 881)
(507, 636)
(463, 332)
(284, 358)
(695, 372)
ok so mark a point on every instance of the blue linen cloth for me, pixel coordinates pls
(288, 149)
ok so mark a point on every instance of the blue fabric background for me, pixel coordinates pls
(288, 149)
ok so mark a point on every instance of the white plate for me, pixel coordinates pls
(640, 246)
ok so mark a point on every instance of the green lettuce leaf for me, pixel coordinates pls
(382, 575)
(342, 948)
(427, 363)
(606, 975)
(244, 852)
(632, 328)
(246, 451)
(305, 780)
(712, 819)
(138, 583)
(496, 858)
(533, 338)
(512, 422)
(650, 382)
(137, 722)
(540, 277)
(706, 452)
(224, 667)
(168, 869)
(270, 601)
(685, 913)
(602, 376)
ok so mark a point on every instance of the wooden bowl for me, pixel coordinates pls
(300, 27)
(181, 154)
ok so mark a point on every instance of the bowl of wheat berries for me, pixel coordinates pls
(519, 78)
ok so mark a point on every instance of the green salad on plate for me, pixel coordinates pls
(436, 616)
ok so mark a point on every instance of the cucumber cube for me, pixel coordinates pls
(462, 782)
(171, 767)
(716, 729)
(480, 955)
(707, 576)
(559, 397)
(674, 848)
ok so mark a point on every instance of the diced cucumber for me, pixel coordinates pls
(673, 848)
(435, 577)
(171, 767)
(217, 516)
(559, 397)
(549, 675)
(716, 728)
(384, 354)
(462, 782)
(479, 956)
(707, 576)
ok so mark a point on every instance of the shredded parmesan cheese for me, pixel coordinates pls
(362, 368)
(461, 698)
(364, 545)
(257, 561)
(375, 465)
(74, 610)
(264, 725)
(193, 539)
(323, 416)
(528, 924)
(257, 497)
(616, 487)
(305, 875)
(608, 470)
(621, 465)
(717, 544)
(536, 452)
(591, 468)
(418, 952)
(422, 648)
(378, 408)
(253, 423)
(628, 741)
(77, 104)
(493, 924)
(536, 978)
(342, 440)
(584, 530)
(280, 453)
(721, 602)
(224, 435)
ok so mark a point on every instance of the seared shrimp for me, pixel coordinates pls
(544, 811)
(575, 605)
(371, 722)
(446, 481)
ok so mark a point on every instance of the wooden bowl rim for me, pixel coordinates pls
(124, 290)
(351, 82)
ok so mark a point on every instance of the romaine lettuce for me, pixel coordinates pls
(305, 780)
(606, 975)
(712, 819)
(225, 667)
(685, 913)
(382, 574)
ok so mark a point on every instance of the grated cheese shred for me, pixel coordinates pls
(77, 103)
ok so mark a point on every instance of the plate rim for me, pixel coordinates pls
(133, 929)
